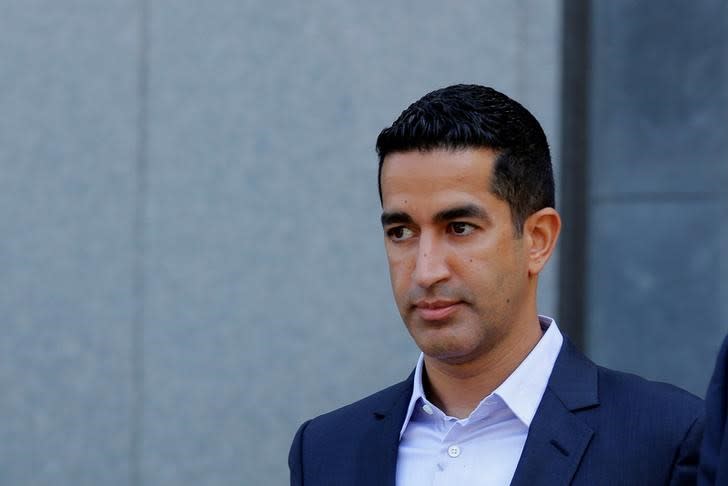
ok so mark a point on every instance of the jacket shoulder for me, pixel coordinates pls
(325, 448)
(343, 420)
(651, 429)
(628, 389)
(581, 384)
(658, 423)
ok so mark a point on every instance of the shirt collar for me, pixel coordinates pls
(522, 390)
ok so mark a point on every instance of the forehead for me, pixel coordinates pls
(437, 174)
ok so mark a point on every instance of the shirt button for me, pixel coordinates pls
(453, 451)
(428, 409)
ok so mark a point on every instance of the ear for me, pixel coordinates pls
(541, 230)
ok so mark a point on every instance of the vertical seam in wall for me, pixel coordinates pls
(139, 234)
(522, 27)
(575, 117)
(723, 235)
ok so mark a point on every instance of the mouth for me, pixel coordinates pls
(436, 310)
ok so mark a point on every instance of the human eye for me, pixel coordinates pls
(400, 233)
(461, 229)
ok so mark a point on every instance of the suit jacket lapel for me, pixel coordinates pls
(377, 460)
(557, 437)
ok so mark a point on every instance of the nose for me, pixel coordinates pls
(431, 266)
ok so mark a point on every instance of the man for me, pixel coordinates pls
(714, 451)
(498, 395)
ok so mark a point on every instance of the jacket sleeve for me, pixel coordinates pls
(685, 466)
(714, 451)
(295, 457)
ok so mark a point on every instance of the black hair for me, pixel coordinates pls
(472, 116)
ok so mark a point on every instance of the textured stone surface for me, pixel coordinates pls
(174, 309)
(269, 299)
(659, 98)
(654, 293)
(67, 149)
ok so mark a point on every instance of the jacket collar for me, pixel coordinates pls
(557, 438)
(377, 462)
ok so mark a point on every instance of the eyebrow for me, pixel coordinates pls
(457, 212)
(396, 217)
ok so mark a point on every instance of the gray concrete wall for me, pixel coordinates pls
(192, 261)
(67, 198)
(659, 171)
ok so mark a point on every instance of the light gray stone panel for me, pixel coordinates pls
(269, 299)
(538, 69)
(659, 97)
(654, 292)
(67, 185)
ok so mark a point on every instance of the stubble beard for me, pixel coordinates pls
(458, 339)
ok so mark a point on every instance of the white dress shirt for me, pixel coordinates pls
(484, 448)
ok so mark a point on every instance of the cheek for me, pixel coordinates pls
(398, 273)
(400, 277)
(487, 272)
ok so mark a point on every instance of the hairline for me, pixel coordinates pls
(498, 152)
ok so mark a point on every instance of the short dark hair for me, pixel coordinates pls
(471, 116)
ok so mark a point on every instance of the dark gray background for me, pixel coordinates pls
(658, 203)
(191, 257)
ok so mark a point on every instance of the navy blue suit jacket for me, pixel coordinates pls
(593, 427)
(714, 452)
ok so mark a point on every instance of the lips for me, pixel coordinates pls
(436, 310)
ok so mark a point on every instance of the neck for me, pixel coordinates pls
(457, 388)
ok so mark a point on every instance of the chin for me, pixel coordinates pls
(449, 349)
(451, 342)
(452, 356)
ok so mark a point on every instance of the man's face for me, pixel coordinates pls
(459, 272)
